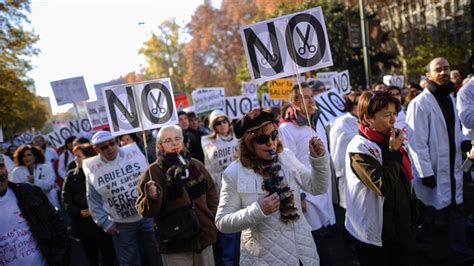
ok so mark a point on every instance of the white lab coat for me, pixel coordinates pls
(319, 209)
(429, 150)
(342, 132)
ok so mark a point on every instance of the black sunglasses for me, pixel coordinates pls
(220, 122)
(263, 139)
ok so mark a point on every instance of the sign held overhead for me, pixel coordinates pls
(72, 90)
(286, 45)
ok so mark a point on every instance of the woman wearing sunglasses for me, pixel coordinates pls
(258, 195)
(219, 151)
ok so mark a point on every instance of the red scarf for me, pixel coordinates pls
(383, 139)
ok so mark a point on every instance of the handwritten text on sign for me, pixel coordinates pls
(279, 89)
(140, 106)
(275, 47)
(72, 90)
(208, 99)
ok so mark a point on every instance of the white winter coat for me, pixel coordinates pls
(265, 239)
(429, 150)
(319, 208)
(342, 131)
(465, 105)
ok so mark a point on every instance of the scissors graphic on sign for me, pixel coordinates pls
(302, 50)
(158, 108)
(269, 58)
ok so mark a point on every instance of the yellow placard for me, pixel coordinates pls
(279, 89)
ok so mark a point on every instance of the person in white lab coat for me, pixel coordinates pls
(434, 138)
(342, 131)
(295, 133)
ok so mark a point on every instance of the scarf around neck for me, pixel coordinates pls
(293, 116)
(443, 90)
(273, 182)
(383, 140)
(181, 174)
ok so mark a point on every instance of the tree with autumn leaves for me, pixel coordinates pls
(20, 109)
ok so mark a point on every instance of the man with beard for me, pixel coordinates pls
(434, 138)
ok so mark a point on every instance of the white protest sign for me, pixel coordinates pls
(97, 115)
(331, 106)
(249, 88)
(342, 82)
(140, 106)
(267, 102)
(390, 80)
(75, 128)
(206, 100)
(25, 138)
(72, 90)
(117, 183)
(98, 87)
(327, 79)
(283, 46)
(1, 134)
(236, 107)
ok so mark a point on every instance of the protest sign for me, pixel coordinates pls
(249, 88)
(117, 183)
(237, 106)
(268, 102)
(331, 106)
(341, 82)
(140, 106)
(206, 100)
(25, 138)
(72, 90)
(97, 115)
(181, 100)
(279, 89)
(287, 45)
(77, 128)
(390, 80)
(327, 78)
(98, 87)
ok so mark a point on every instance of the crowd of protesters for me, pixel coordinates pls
(384, 181)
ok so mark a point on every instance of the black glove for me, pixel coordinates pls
(429, 181)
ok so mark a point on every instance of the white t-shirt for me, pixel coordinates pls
(17, 244)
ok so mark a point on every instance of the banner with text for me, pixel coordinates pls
(342, 82)
(77, 128)
(237, 106)
(140, 106)
(286, 45)
(206, 100)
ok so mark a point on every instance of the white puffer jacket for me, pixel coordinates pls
(265, 239)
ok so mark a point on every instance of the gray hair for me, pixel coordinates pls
(175, 128)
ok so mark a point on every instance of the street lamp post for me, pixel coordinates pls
(365, 44)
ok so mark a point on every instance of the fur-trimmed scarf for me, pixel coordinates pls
(177, 178)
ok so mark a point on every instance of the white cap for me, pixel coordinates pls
(214, 115)
(101, 136)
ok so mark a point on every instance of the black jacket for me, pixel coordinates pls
(192, 141)
(74, 200)
(46, 224)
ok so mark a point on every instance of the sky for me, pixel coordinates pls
(98, 40)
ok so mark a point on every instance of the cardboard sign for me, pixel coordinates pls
(140, 106)
(98, 87)
(331, 106)
(268, 102)
(390, 80)
(249, 88)
(72, 90)
(342, 82)
(207, 100)
(280, 88)
(327, 79)
(77, 128)
(237, 106)
(287, 45)
(181, 101)
(97, 115)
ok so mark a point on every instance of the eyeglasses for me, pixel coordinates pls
(220, 122)
(263, 139)
(170, 140)
(106, 146)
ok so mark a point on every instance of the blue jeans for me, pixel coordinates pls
(230, 248)
(136, 243)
